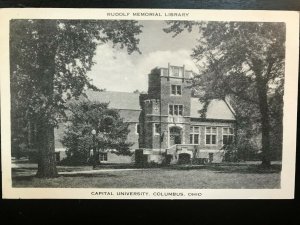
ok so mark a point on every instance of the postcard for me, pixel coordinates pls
(148, 103)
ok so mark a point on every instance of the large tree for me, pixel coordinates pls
(49, 60)
(111, 131)
(244, 60)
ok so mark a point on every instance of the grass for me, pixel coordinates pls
(198, 177)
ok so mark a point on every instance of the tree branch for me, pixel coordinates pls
(243, 97)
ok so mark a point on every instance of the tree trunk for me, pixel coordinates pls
(45, 126)
(265, 122)
(45, 134)
(46, 160)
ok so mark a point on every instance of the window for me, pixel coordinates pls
(103, 157)
(211, 136)
(180, 110)
(176, 110)
(194, 135)
(227, 135)
(156, 128)
(176, 89)
(170, 109)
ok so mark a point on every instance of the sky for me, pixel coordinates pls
(115, 70)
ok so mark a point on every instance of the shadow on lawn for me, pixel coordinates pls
(88, 175)
(254, 169)
(231, 168)
(32, 177)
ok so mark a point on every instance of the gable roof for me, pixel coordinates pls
(116, 100)
(217, 109)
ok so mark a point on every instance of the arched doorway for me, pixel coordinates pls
(175, 136)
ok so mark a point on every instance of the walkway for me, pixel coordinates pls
(97, 171)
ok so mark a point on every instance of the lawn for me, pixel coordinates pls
(212, 177)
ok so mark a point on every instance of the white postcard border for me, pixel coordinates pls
(290, 104)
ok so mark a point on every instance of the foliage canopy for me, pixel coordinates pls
(243, 62)
(49, 64)
(111, 130)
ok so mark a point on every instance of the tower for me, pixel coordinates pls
(166, 108)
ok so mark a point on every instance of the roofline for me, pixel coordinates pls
(230, 107)
(112, 107)
(173, 66)
(113, 92)
(209, 120)
(128, 109)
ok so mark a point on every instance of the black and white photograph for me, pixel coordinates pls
(175, 104)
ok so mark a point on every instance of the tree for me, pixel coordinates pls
(111, 130)
(240, 59)
(49, 60)
(247, 127)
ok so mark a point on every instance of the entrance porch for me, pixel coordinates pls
(179, 154)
